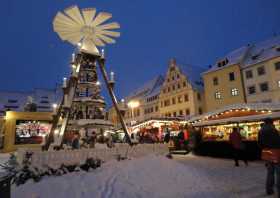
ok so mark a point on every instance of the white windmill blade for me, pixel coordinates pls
(88, 45)
(71, 37)
(108, 26)
(108, 33)
(88, 14)
(98, 41)
(106, 39)
(100, 18)
(75, 14)
(61, 19)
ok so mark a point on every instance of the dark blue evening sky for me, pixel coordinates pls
(152, 31)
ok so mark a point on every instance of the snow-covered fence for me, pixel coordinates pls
(55, 159)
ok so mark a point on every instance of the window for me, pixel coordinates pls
(166, 103)
(186, 97)
(215, 81)
(10, 107)
(44, 102)
(12, 101)
(184, 84)
(168, 89)
(261, 70)
(164, 90)
(173, 87)
(178, 76)
(200, 110)
(187, 112)
(44, 97)
(277, 66)
(161, 104)
(279, 83)
(264, 87)
(234, 92)
(173, 101)
(218, 95)
(249, 74)
(174, 114)
(231, 76)
(179, 99)
(252, 89)
(168, 80)
(156, 108)
(178, 86)
(180, 112)
(173, 78)
(198, 96)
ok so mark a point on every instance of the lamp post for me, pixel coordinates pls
(132, 105)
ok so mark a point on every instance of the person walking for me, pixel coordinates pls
(76, 141)
(238, 147)
(269, 139)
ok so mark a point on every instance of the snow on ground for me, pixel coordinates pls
(4, 157)
(153, 177)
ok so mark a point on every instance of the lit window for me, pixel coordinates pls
(179, 99)
(234, 92)
(249, 74)
(218, 95)
(278, 83)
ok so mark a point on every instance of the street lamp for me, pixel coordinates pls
(132, 105)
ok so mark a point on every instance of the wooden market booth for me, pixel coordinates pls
(215, 127)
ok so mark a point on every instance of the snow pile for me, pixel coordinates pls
(150, 176)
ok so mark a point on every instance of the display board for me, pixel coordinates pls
(31, 131)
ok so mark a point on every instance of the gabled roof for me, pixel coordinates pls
(193, 74)
(150, 87)
(262, 51)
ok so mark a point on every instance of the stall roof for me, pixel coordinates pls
(252, 118)
(251, 106)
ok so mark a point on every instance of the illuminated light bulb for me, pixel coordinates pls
(54, 105)
(112, 76)
(64, 82)
(269, 111)
(102, 53)
(73, 57)
(98, 83)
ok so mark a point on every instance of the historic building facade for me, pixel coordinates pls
(246, 75)
(182, 91)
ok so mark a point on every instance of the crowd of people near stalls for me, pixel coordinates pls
(76, 140)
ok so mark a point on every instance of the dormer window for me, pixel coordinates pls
(223, 63)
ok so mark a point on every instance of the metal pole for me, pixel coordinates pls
(101, 62)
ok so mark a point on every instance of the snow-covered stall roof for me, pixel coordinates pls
(250, 106)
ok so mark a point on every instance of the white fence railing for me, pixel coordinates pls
(55, 159)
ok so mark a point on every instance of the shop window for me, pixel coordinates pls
(264, 87)
(187, 112)
(251, 89)
(277, 66)
(218, 95)
(215, 81)
(186, 97)
(234, 92)
(249, 74)
(173, 101)
(231, 76)
(261, 70)
(179, 99)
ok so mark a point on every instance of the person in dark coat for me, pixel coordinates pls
(269, 138)
(76, 141)
(238, 147)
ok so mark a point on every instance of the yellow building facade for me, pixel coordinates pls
(182, 92)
